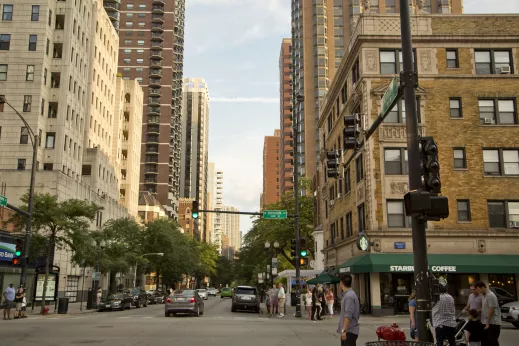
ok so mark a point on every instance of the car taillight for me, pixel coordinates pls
(168, 300)
(192, 300)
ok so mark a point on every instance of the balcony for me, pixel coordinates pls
(155, 63)
(159, 2)
(155, 82)
(153, 101)
(150, 158)
(152, 138)
(155, 72)
(150, 179)
(157, 18)
(153, 129)
(157, 27)
(157, 36)
(156, 45)
(153, 110)
(113, 15)
(151, 169)
(112, 6)
(152, 149)
(157, 9)
(153, 119)
(154, 92)
(155, 55)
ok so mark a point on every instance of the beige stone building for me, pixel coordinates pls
(58, 65)
(467, 100)
(126, 141)
(272, 166)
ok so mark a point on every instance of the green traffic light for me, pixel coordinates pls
(18, 253)
(194, 215)
(303, 253)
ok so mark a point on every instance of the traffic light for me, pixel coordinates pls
(194, 210)
(17, 253)
(303, 261)
(430, 166)
(293, 248)
(332, 164)
(302, 248)
(351, 131)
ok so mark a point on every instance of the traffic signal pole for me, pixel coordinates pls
(409, 80)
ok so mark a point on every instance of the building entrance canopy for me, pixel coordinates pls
(438, 263)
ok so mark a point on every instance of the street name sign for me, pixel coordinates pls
(275, 214)
(3, 201)
(389, 96)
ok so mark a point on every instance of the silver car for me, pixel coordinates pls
(184, 301)
(211, 291)
(202, 292)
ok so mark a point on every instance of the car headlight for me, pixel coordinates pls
(514, 308)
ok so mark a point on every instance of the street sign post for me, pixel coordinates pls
(390, 95)
(275, 214)
(96, 276)
(3, 201)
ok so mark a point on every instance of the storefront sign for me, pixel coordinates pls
(7, 251)
(399, 245)
(436, 269)
(345, 270)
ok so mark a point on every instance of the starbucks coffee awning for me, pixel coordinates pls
(438, 263)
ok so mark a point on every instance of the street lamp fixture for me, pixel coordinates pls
(30, 204)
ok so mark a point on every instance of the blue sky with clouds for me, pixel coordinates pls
(235, 45)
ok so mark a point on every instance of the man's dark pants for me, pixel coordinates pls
(445, 333)
(491, 335)
(351, 340)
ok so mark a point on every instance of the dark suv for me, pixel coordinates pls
(139, 297)
(245, 298)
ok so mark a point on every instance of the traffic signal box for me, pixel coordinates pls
(194, 210)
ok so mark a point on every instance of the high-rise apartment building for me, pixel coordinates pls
(231, 227)
(151, 51)
(321, 31)
(286, 171)
(58, 66)
(194, 149)
(217, 228)
(271, 169)
(211, 200)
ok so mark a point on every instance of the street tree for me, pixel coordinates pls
(207, 256)
(224, 272)
(62, 224)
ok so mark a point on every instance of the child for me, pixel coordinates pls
(474, 329)
(24, 307)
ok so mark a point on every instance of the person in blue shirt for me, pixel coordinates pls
(413, 317)
(9, 294)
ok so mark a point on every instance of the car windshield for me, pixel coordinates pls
(202, 290)
(185, 293)
(116, 296)
(226, 289)
(245, 290)
(136, 291)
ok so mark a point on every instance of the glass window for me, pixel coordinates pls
(491, 162)
(3, 72)
(24, 135)
(503, 286)
(33, 39)
(140, 61)
(21, 164)
(27, 100)
(483, 62)
(506, 111)
(464, 210)
(35, 15)
(493, 61)
(487, 113)
(29, 73)
(387, 62)
(129, 6)
(511, 162)
(127, 51)
(140, 42)
(455, 107)
(361, 218)
(359, 168)
(7, 13)
(452, 58)
(386, 291)
(496, 214)
(50, 141)
(395, 214)
(129, 24)
(513, 214)
(5, 41)
(395, 161)
(127, 61)
(459, 158)
(140, 51)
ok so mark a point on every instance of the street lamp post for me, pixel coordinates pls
(299, 99)
(136, 264)
(272, 253)
(30, 204)
(98, 246)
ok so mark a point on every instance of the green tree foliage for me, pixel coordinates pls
(223, 273)
(207, 258)
(56, 225)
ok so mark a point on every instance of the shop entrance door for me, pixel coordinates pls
(402, 286)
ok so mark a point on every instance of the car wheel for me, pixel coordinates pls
(233, 308)
(197, 312)
(167, 314)
(138, 305)
(221, 297)
(145, 304)
(516, 324)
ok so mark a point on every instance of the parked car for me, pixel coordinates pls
(184, 301)
(510, 313)
(156, 297)
(140, 298)
(226, 292)
(116, 301)
(245, 298)
(503, 296)
(211, 291)
(202, 292)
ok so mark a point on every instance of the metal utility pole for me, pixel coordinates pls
(299, 99)
(409, 79)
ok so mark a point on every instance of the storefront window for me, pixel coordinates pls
(386, 290)
(458, 286)
(503, 285)
(395, 290)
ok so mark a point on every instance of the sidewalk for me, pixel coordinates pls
(73, 309)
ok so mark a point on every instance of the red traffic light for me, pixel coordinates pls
(16, 261)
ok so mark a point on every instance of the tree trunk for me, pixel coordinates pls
(47, 260)
(113, 282)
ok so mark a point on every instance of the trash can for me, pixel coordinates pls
(399, 343)
(62, 305)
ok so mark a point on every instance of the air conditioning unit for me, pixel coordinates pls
(489, 121)
(332, 202)
(504, 69)
(339, 195)
(514, 224)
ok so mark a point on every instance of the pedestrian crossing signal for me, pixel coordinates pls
(303, 261)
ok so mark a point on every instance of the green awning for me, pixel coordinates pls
(438, 263)
(323, 279)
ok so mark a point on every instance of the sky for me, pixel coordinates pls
(234, 45)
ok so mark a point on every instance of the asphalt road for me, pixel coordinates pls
(218, 326)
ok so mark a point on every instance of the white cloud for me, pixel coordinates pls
(245, 99)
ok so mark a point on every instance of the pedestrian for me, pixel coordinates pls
(18, 300)
(9, 295)
(475, 300)
(273, 299)
(490, 315)
(99, 296)
(24, 306)
(281, 301)
(308, 302)
(474, 329)
(350, 313)
(316, 306)
(444, 318)
(413, 317)
(329, 301)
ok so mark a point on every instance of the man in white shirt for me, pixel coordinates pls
(281, 301)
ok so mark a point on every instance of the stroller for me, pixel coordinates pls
(460, 337)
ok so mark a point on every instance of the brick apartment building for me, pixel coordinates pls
(467, 100)
(286, 173)
(271, 169)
